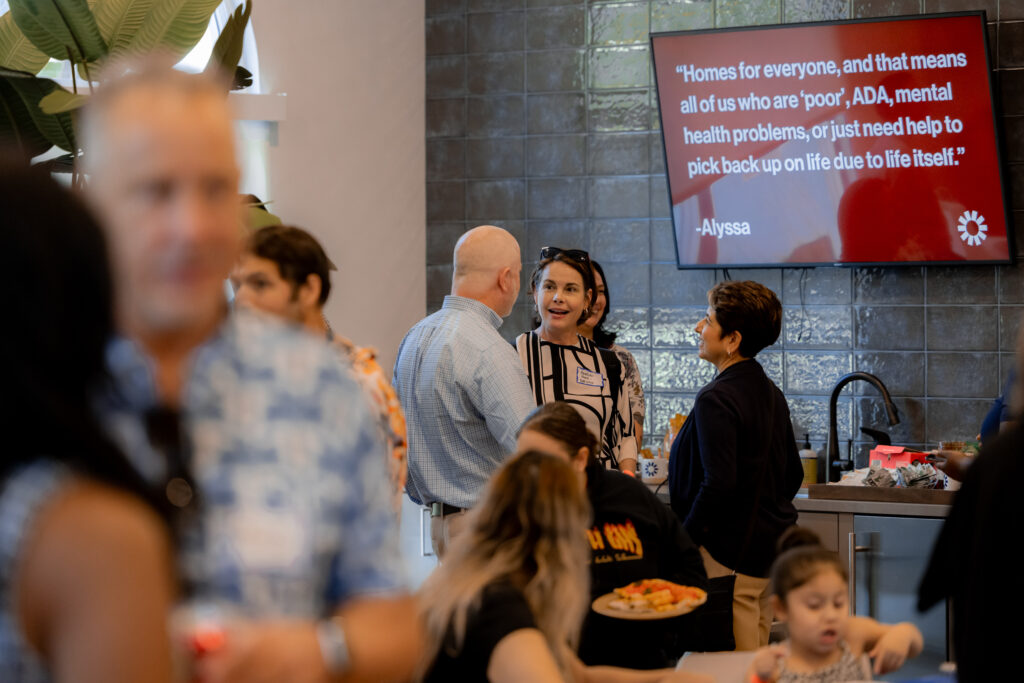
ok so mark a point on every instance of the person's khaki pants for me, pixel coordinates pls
(751, 607)
(444, 529)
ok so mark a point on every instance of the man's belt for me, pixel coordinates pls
(442, 509)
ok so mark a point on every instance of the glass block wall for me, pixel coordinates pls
(541, 118)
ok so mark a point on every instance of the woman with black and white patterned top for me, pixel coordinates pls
(564, 366)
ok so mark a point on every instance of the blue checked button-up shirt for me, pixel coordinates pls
(465, 394)
(295, 512)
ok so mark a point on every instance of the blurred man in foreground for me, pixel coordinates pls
(257, 431)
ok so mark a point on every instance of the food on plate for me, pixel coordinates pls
(657, 595)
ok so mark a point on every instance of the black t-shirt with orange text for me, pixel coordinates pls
(635, 536)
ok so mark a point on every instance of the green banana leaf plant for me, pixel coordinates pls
(37, 114)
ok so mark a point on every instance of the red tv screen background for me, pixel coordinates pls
(857, 142)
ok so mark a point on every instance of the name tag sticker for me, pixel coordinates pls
(588, 378)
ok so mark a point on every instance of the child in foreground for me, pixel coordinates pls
(826, 644)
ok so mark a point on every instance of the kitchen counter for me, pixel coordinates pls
(804, 504)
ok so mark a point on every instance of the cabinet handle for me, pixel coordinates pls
(851, 569)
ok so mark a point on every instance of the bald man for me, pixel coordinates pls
(256, 430)
(462, 386)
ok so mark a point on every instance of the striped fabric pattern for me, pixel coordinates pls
(579, 375)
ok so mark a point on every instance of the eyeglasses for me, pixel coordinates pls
(575, 254)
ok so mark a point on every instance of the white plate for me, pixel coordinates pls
(601, 606)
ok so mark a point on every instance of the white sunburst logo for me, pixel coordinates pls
(978, 236)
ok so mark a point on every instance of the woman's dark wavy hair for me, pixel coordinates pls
(563, 423)
(801, 558)
(602, 337)
(55, 271)
(749, 308)
(586, 273)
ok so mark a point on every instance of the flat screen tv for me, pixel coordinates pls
(839, 143)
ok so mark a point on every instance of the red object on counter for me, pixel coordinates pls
(894, 456)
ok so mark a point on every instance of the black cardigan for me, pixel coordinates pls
(715, 462)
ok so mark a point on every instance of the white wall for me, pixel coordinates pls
(348, 162)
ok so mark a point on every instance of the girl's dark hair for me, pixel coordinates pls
(801, 558)
(602, 337)
(586, 273)
(562, 422)
(749, 308)
(56, 274)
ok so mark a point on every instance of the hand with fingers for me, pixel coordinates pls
(767, 665)
(893, 648)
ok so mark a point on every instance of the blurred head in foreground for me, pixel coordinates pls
(159, 150)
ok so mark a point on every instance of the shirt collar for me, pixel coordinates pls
(581, 342)
(740, 367)
(134, 373)
(461, 303)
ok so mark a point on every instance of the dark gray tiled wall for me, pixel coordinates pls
(542, 118)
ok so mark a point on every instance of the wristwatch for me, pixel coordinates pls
(330, 633)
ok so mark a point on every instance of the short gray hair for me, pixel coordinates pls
(122, 76)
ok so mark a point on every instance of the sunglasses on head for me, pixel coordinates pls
(575, 254)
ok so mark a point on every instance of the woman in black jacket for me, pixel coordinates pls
(734, 467)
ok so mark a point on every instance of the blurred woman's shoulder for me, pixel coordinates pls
(85, 559)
